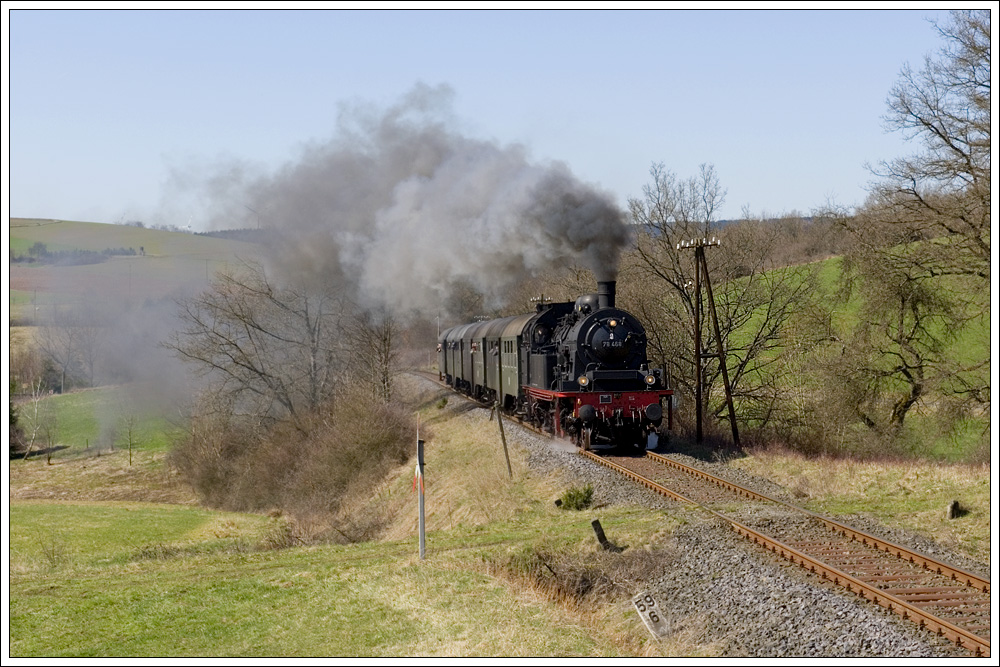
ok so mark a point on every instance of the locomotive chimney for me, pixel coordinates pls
(606, 294)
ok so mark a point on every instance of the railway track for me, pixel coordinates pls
(942, 598)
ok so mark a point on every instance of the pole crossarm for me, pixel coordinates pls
(699, 243)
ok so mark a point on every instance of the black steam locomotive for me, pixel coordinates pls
(574, 368)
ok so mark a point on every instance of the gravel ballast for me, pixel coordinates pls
(724, 591)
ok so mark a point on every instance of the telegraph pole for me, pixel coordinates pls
(701, 267)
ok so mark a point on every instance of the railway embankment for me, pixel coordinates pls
(507, 572)
(720, 591)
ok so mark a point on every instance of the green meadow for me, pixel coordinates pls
(928, 432)
(172, 261)
(98, 418)
(95, 572)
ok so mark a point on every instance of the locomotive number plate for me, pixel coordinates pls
(649, 612)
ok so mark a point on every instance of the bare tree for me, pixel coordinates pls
(129, 428)
(27, 367)
(15, 433)
(464, 302)
(74, 340)
(919, 259)
(897, 353)
(943, 191)
(756, 301)
(277, 350)
(901, 351)
(669, 212)
(91, 339)
(375, 334)
(59, 340)
(37, 418)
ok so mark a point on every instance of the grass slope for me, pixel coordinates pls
(89, 577)
(927, 433)
(911, 495)
(98, 418)
(173, 261)
(134, 579)
(114, 558)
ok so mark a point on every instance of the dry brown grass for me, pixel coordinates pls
(468, 486)
(466, 481)
(596, 587)
(910, 495)
(473, 504)
(100, 478)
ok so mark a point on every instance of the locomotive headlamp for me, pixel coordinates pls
(650, 379)
(583, 380)
(613, 323)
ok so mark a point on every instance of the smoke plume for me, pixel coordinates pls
(401, 206)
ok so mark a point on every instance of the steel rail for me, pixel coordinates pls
(971, 642)
(956, 574)
(960, 636)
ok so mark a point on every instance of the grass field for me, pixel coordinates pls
(70, 235)
(99, 418)
(173, 261)
(140, 579)
(97, 570)
(367, 600)
(112, 556)
(911, 495)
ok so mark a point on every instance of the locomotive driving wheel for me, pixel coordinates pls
(541, 415)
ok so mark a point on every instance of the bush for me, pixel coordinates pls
(577, 498)
(575, 576)
(305, 470)
(16, 433)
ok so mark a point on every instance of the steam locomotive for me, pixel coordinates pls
(576, 369)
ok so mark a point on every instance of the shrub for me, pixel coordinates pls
(577, 498)
(580, 576)
(306, 469)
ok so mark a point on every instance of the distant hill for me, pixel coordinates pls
(165, 263)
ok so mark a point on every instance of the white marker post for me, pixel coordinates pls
(418, 483)
(649, 611)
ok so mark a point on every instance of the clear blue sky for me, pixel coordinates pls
(786, 104)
